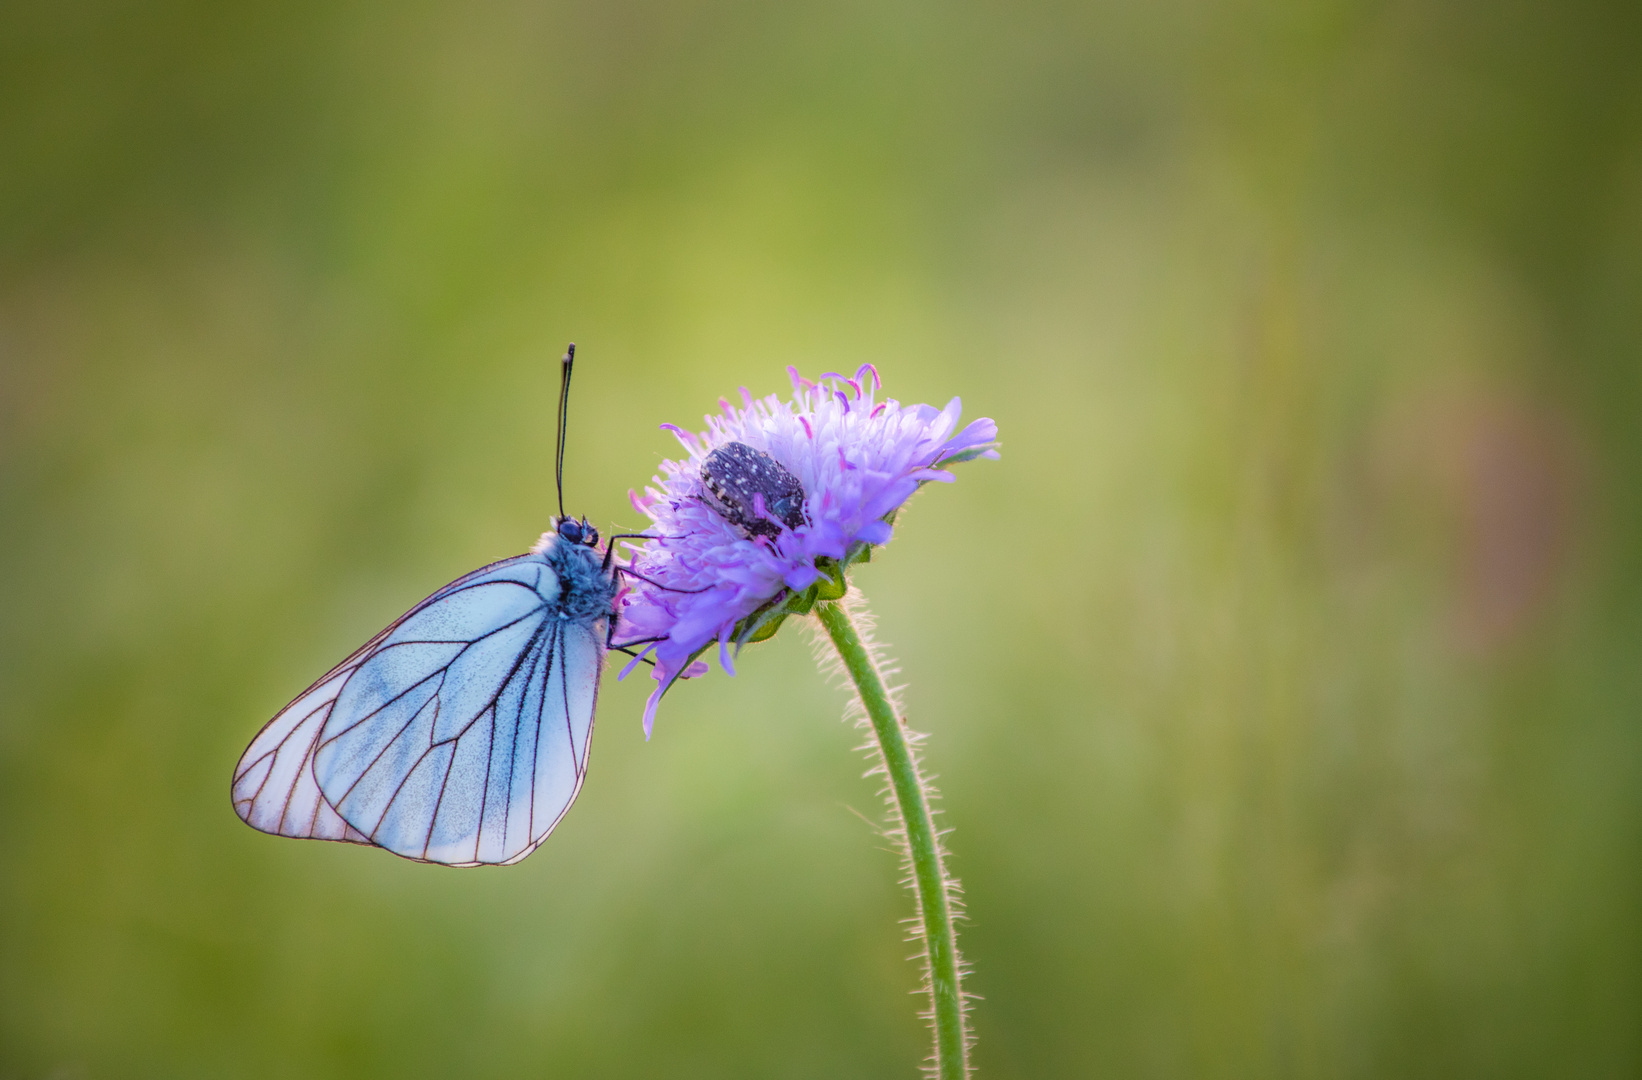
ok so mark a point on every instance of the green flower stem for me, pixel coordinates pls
(929, 878)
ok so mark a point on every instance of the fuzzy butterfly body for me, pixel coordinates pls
(460, 733)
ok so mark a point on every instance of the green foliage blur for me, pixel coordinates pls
(1283, 679)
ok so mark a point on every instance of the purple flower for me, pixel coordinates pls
(732, 537)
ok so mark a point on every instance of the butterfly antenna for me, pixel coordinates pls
(564, 413)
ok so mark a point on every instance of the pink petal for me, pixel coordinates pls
(724, 649)
(984, 430)
(800, 578)
(875, 532)
(683, 436)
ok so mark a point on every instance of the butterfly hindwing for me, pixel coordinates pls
(558, 731)
(458, 735)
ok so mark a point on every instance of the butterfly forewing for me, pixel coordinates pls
(274, 787)
(458, 735)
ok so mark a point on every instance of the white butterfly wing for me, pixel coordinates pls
(458, 735)
(274, 788)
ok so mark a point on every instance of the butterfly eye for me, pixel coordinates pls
(571, 530)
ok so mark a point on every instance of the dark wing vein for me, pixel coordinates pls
(536, 739)
(578, 761)
(388, 745)
(513, 753)
(438, 673)
(307, 757)
(491, 707)
(564, 692)
(461, 584)
(440, 670)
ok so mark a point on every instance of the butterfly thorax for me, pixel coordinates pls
(586, 590)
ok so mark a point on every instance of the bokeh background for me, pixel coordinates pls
(1283, 678)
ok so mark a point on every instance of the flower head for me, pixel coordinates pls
(769, 506)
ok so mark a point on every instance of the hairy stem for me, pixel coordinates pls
(930, 884)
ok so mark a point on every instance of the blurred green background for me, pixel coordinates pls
(1283, 678)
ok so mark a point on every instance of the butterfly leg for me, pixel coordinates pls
(637, 656)
(626, 646)
(611, 565)
(610, 543)
(649, 581)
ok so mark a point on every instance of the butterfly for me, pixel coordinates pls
(460, 733)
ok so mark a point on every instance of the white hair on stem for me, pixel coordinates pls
(832, 667)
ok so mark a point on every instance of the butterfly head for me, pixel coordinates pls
(572, 531)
